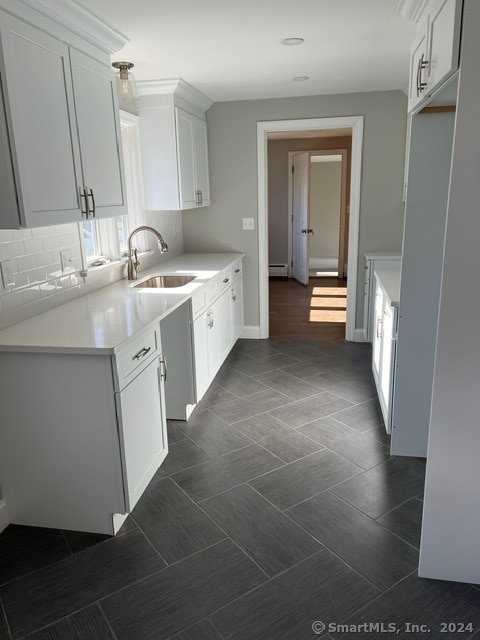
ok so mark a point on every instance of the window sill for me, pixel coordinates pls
(96, 270)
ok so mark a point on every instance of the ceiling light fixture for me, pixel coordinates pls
(289, 42)
(301, 78)
(125, 81)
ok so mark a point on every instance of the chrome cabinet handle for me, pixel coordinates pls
(90, 195)
(142, 353)
(423, 64)
(83, 200)
(201, 197)
(418, 78)
(226, 280)
(163, 374)
(237, 270)
(234, 295)
(379, 324)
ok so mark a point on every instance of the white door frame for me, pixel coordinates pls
(343, 187)
(263, 129)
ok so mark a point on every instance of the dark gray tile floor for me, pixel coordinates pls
(277, 507)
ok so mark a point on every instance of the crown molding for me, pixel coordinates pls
(412, 10)
(175, 86)
(80, 21)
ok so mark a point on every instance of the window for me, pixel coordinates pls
(107, 239)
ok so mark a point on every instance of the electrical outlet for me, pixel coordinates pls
(248, 224)
(7, 274)
(66, 260)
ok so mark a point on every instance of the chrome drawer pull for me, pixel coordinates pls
(226, 280)
(237, 270)
(142, 353)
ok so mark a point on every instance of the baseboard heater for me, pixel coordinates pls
(277, 270)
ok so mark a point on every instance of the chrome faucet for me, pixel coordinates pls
(133, 261)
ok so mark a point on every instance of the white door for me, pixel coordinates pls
(301, 216)
(99, 135)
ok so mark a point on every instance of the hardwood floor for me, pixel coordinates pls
(314, 312)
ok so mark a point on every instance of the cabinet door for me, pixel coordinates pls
(418, 67)
(99, 134)
(236, 295)
(143, 430)
(185, 159)
(38, 96)
(443, 41)
(202, 179)
(219, 333)
(387, 361)
(377, 333)
(202, 378)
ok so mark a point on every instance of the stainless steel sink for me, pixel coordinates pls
(165, 282)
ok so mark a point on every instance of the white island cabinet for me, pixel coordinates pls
(86, 388)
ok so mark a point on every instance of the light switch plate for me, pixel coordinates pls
(7, 274)
(248, 224)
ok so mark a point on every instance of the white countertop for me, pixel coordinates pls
(101, 321)
(382, 256)
(390, 281)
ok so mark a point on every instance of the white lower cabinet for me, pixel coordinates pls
(142, 429)
(89, 439)
(217, 329)
(384, 350)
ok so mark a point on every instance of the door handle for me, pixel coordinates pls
(310, 231)
(83, 200)
(163, 374)
(304, 231)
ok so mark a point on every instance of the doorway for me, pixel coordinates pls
(329, 196)
(296, 127)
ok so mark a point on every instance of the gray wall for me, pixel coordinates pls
(232, 135)
(278, 187)
(325, 191)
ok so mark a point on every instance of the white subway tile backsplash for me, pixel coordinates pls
(57, 299)
(36, 276)
(47, 288)
(44, 259)
(25, 263)
(40, 232)
(12, 300)
(35, 245)
(21, 280)
(50, 243)
(30, 295)
(14, 249)
(21, 234)
(6, 235)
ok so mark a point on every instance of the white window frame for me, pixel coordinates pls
(109, 248)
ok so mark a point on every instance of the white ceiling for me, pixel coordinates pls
(230, 49)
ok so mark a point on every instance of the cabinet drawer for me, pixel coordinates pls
(237, 270)
(225, 278)
(138, 353)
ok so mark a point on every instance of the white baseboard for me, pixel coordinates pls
(3, 515)
(323, 263)
(253, 333)
(360, 335)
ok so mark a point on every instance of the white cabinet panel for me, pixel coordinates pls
(236, 295)
(202, 378)
(186, 159)
(39, 101)
(99, 133)
(418, 67)
(201, 161)
(140, 407)
(443, 41)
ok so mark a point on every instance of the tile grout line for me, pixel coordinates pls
(7, 624)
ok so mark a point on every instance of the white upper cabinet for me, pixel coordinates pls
(61, 127)
(174, 147)
(443, 41)
(435, 51)
(418, 66)
(39, 104)
(99, 134)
